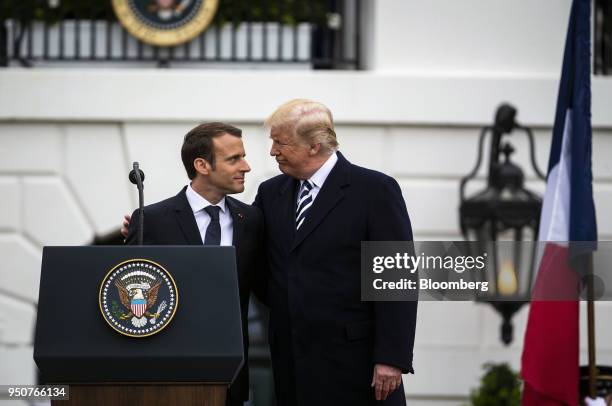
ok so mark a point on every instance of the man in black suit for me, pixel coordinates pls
(327, 346)
(203, 213)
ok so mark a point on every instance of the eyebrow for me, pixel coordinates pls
(229, 158)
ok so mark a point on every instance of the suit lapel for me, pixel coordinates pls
(237, 219)
(330, 194)
(186, 219)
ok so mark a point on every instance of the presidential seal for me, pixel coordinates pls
(138, 298)
(165, 22)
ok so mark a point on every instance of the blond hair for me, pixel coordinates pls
(309, 120)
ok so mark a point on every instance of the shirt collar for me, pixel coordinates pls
(323, 172)
(197, 202)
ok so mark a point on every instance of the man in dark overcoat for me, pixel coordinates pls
(328, 347)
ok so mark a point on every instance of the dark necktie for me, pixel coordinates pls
(303, 204)
(213, 231)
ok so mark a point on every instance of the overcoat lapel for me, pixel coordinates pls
(330, 194)
(285, 204)
(186, 219)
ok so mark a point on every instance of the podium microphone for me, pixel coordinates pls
(137, 177)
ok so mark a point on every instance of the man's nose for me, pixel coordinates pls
(273, 150)
(245, 166)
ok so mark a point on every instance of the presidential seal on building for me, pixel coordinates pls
(138, 298)
(165, 22)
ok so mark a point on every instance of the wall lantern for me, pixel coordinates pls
(503, 211)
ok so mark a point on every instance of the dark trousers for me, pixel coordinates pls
(232, 402)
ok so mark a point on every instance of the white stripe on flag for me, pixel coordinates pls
(554, 222)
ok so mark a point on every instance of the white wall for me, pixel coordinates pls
(64, 182)
(438, 70)
(520, 37)
(369, 97)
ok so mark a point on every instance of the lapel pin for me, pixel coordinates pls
(240, 216)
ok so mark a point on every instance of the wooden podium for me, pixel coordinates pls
(191, 361)
(164, 393)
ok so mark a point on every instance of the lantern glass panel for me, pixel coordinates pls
(510, 266)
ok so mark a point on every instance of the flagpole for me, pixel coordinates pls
(591, 328)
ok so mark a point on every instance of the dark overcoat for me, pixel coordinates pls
(324, 340)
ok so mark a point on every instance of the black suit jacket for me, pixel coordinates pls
(324, 340)
(171, 222)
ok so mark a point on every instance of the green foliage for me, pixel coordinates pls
(116, 310)
(499, 386)
(53, 11)
(283, 11)
(229, 11)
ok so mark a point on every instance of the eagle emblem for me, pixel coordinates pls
(165, 22)
(138, 298)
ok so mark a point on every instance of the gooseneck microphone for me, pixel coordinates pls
(137, 177)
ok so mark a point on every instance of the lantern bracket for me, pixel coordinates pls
(504, 124)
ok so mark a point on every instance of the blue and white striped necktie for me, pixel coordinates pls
(303, 204)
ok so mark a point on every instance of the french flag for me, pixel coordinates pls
(550, 361)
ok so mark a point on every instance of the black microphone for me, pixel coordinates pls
(137, 177)
(133, 177)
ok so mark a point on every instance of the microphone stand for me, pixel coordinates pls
(137, 177)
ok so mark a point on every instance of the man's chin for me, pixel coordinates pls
(232, 190)
(283, 168)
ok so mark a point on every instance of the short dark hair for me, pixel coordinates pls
(198, 143)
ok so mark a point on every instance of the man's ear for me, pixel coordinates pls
(202, 166)
(314, 149)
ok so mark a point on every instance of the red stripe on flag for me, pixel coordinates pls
(532, 397)
(550, 355)
(556, 280)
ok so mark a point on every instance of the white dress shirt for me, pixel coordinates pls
(319, 176)
(198, 204)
